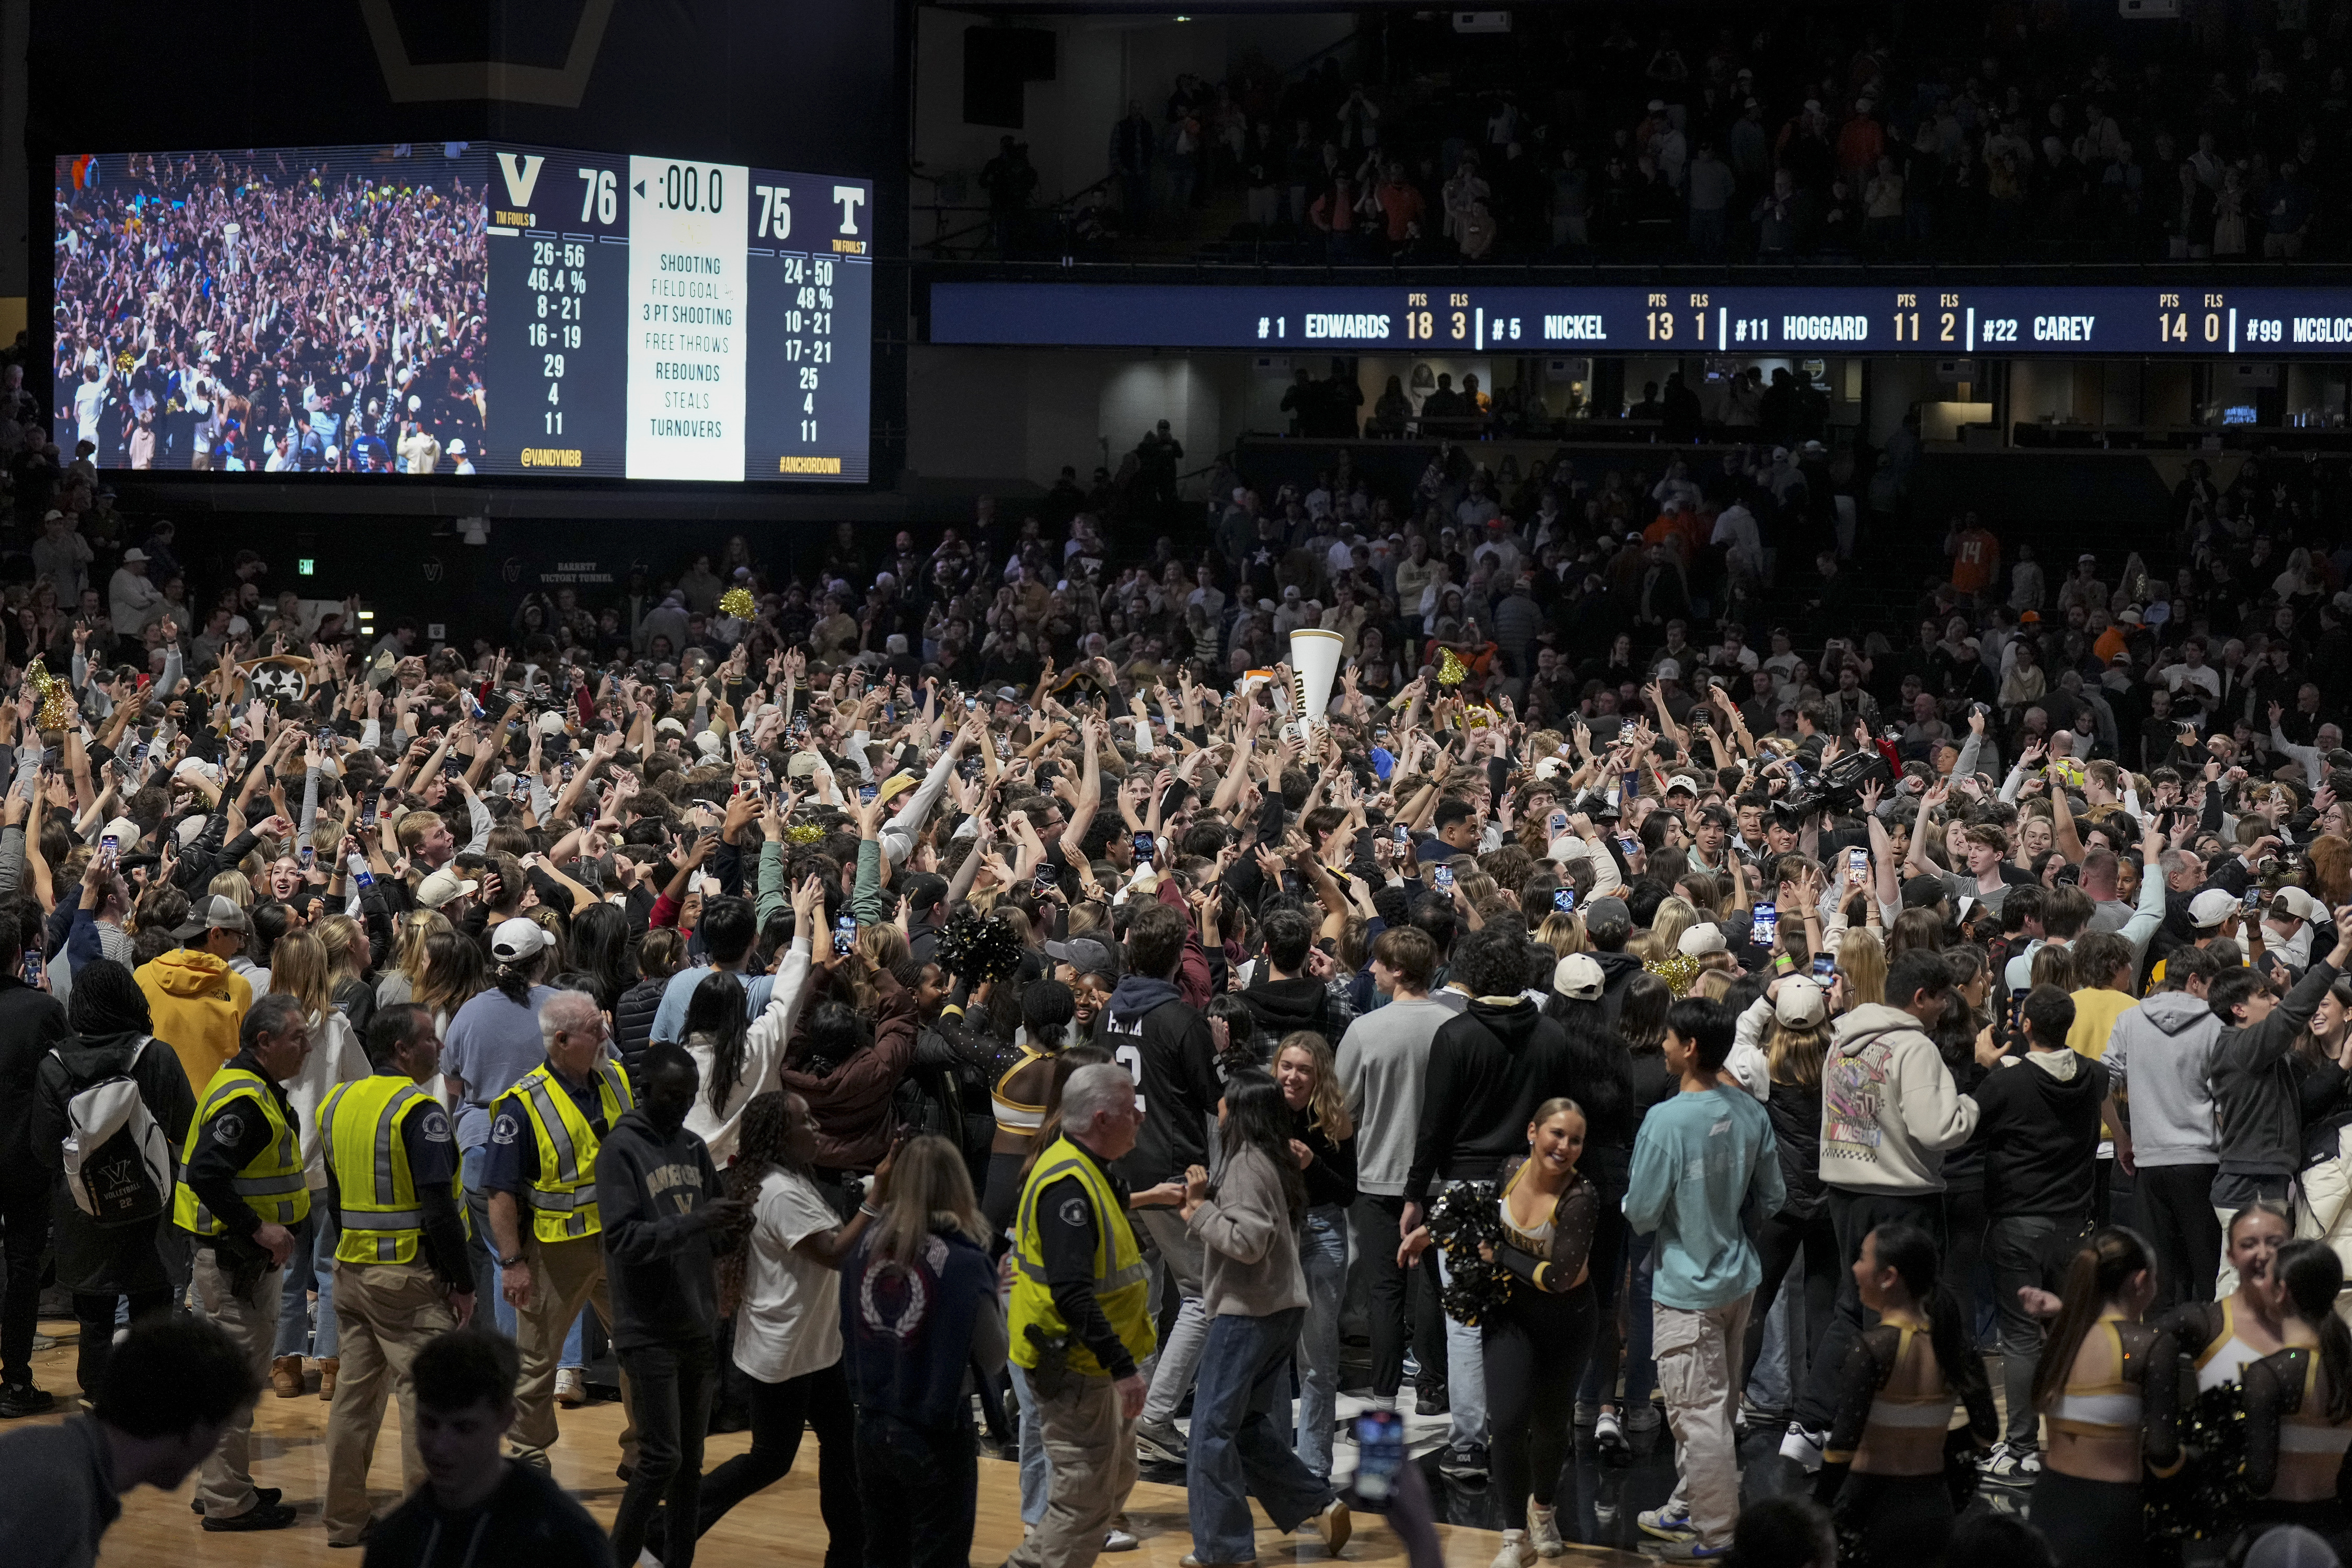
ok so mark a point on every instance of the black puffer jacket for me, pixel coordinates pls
(633, 1026)
(1796, 1113)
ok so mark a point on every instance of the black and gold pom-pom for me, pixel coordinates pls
(974, 947)
(1461, 1220)
(2206, 1500)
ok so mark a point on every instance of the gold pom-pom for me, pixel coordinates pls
(56, 710)
(1677, 971)
(1451, 670)
(738, 602)
(803, 833)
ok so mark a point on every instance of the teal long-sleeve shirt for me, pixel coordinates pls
(1698, 1161)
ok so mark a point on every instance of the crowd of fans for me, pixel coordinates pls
(315, 314)
(1987, 132)
(1813, 977)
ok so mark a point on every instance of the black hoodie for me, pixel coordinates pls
(1488, 1069)
(2038, 1124)
(1285, 1007)
(1163, 1041)
(651, 1191)
(1617, 971)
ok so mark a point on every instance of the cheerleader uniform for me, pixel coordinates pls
(2103, 1525)
(1893, 1398)
(1535, 1344)
(2286, 1415)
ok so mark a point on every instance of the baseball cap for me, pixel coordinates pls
(803, 765)
(897, 782)
(1083, 954)
(124, 832)
(1008, 694)
(442, 885)
(518, 939)
(1668, 669)
(2297, 904)
(1602, 910)
(1577, 977)
(1799, 1003)
(214, 913)
(2208, 909)
(1702, 939)
(1682, 781)
(135, 554)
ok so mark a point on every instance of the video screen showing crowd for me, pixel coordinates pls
(272, 312)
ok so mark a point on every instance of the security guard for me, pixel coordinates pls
(241, 1189)
(402, 1269)
(544, 1134)
(1081, 1317)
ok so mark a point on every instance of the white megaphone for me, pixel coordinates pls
(1314, 666)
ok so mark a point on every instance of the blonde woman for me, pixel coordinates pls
(1563, 934)
(1673, 916)
(1861, 967)
(1323, 1141)
(299, 968)
(1794, 1019)
(347, 959)
(406, 966)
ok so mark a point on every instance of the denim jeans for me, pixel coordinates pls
(672, 1385)
(486, 1268)
(1239, 1447)
(1769, 1382)
(1323, 1259)
(1640, 1324)
(1466, 1372)
(312, 1267)
(919, 1487)
(1036, 1474)
(1173, 1368)
(2017, 1247)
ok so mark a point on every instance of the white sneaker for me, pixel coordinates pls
(1516, 1551)
(1119, 1541)
(1803, 1448)
(571, 1387)
(1543, 1530)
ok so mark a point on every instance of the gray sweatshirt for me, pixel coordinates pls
(2160, 1061)
(1252, 1243)
(1383, 1062)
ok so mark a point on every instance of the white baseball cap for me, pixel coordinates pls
(1577, 977)
(2210, 908)
(1799, 1002)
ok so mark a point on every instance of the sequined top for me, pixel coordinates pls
(1862, 1407)
(2287, 1414)
(1552, 1258)
(2135, 1406)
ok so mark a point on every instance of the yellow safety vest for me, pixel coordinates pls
(563, 1193)
(273, 1185)
(1121, 1286)
(367, 1158)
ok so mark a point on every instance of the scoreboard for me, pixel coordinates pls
(663, 319)
(2001, 319)
(560, 313)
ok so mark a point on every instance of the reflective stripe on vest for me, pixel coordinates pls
(1122, 1288)
(272, 1184)
(367, 1158)
(564, 1193)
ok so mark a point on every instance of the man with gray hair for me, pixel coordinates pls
(1081, 1317)
(540, 1174)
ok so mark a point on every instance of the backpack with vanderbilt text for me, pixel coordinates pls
(118, 1162)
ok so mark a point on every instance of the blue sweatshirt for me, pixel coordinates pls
(1698, 1160)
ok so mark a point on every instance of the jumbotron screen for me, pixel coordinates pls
(464, 308)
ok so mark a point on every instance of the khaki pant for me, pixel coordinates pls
(1698, 1369)
(385, 1313)
(565, 1277)
(1092, 1450)
(225, 1485)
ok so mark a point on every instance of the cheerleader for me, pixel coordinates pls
(1534, 1344)
(2106, 1412)
(1895, 1406)
(2227, 1336)
(2299, 1402)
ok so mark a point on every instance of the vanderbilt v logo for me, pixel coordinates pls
(521, 170)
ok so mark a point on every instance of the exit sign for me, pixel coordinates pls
(305, 567)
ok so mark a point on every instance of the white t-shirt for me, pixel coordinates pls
(790, 1324)
(90, 402)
